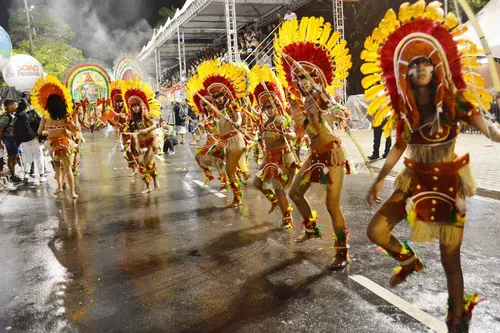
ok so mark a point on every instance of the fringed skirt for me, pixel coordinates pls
(435, 206)
(147, 140)
(278, 169)
(60, 147)
(214, 154)
(321, 159)
(234, 141)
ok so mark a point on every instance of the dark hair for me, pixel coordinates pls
(22, 106)
(8, 102)
(56, 107)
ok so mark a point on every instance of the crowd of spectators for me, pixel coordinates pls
(250, 38)
(20, 146)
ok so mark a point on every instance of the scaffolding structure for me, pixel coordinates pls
(232, 30)
(182, 54)
(338, 24)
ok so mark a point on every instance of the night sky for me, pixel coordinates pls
(114, 14)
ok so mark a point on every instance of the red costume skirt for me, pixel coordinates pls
(321, 159)
(435, 206)
(278, 168)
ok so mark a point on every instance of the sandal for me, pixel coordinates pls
(287, 220)
(341, 258)
(311, 229)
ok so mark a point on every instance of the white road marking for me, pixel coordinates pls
(408, 308)
(209, 189)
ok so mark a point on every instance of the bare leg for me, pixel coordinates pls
(76, 162)
(386, 218)
(232, 160)
(380, 232)
(297, 194)
(204, 162)
(298, 191)
(148, 165)
(286, 210)
(450, 258)
(68, 172)
(58, 175)
(11, 163)
(270, 195)
(334, 190)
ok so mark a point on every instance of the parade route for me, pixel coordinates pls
(116, 260)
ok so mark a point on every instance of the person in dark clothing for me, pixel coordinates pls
(170, 139)
(193, 120)
(28, 140)
(181, 116)
(377, 136)
(7, 122)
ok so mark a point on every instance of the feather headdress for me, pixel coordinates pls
(319, 51)
(231, 79)
(115, 92)
(45, 87)
(195, 89)
(136, 90)
(419, 31)
(265, 84)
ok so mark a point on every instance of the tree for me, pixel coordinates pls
(165, 13)
(52, 38)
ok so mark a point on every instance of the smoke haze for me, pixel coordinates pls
(106, 29)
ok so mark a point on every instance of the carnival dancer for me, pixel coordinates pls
(52, 101)
(297, 114)
(280, 165)
(243, 169)
(212, 154)
(77, 136)
(226, 83)
(416, 68)
(116, 97)
(311, 62)
(142, 108)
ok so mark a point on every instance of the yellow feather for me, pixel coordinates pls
(474, 78)
(471, 62)
(303, 28)
(405, 12)
(371, 45)
(333, 40)
(370, 68)
(373, 92)
(390, 16)
(341, 76)
(451, 21)
(370, 80)
(460, 30)
(418, 9)
(342, 54)
(377, 34)
(369, 56)
(327, 28)
(343, 67)
(388, 126)
(338, 48)
(379, 117)
(434, 11)
(376, 104)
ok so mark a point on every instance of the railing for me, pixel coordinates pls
(263, 53)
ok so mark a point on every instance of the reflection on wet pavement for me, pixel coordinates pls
(175, 261)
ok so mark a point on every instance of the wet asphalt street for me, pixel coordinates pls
(175, 261)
